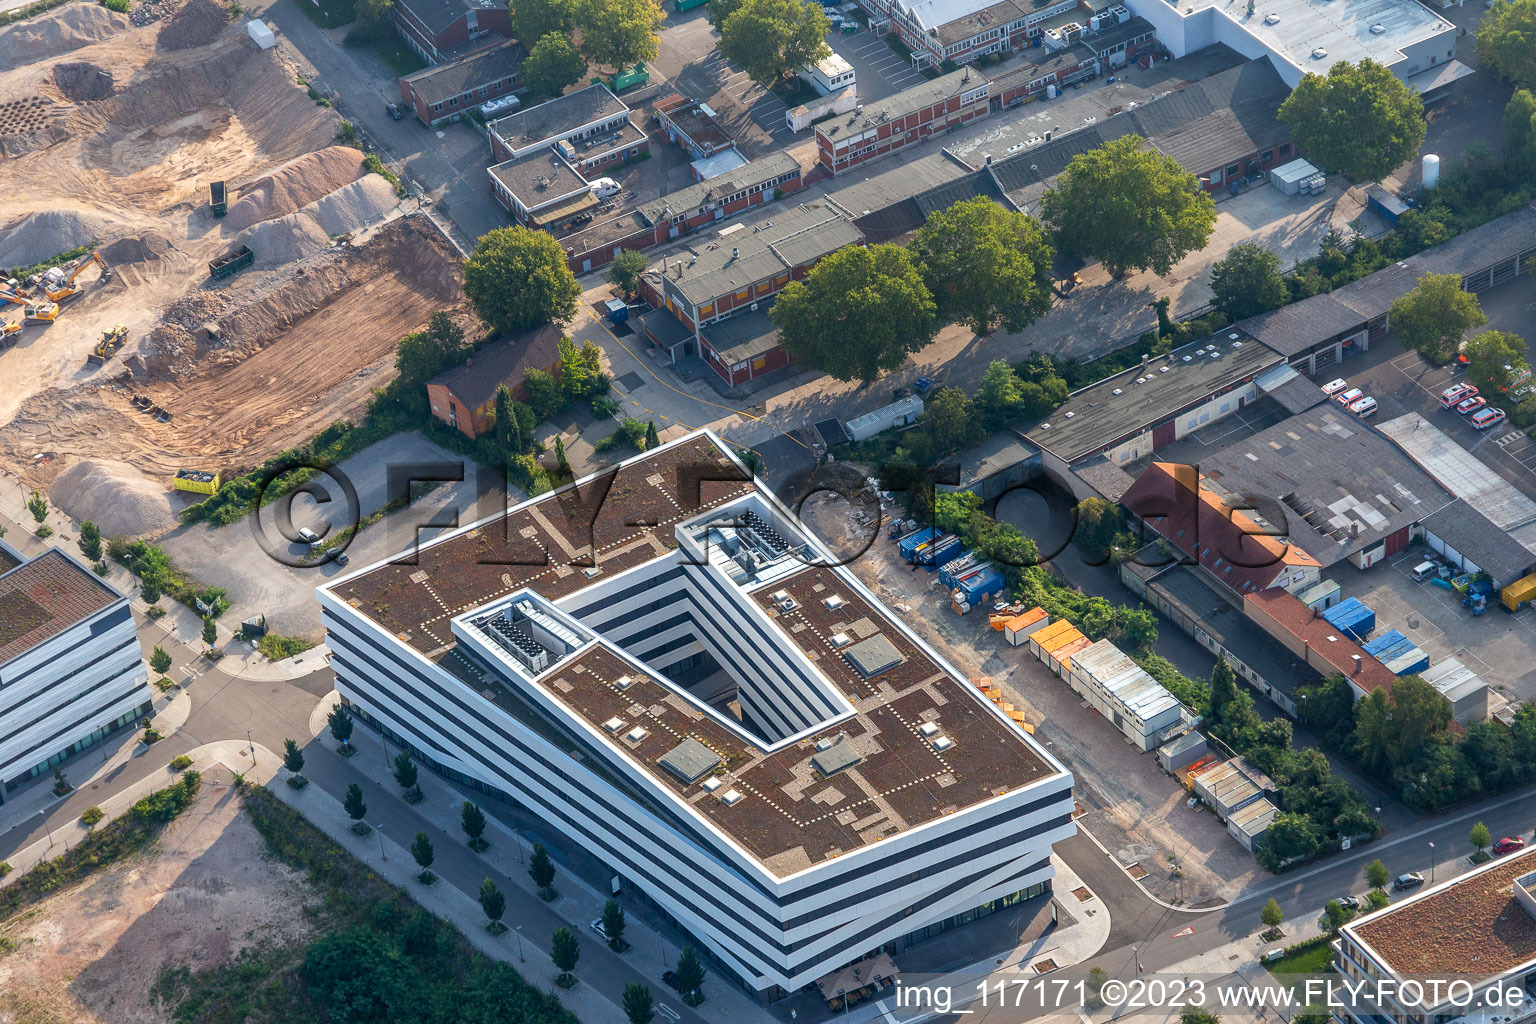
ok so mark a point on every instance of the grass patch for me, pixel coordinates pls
(151, 563)
(276, 647)
(1294, 965)
(402, 60)
(328, 13)
(121, 837)
(374, 951)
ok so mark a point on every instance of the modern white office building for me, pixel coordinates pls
(71, 671)
(663, 665)
(1478, 929)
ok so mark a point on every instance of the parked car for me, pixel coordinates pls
(1485, 418)
(342, 558)
(1334, 386)
(1348, 902)
(1363, 408)
(396, 111)
(671, 980)
(1350, 397)
(1455, 393)
(597, 926)
(308, 536)
(606, 188)
(1411, 880)
(1471, 404)
(1509, 844)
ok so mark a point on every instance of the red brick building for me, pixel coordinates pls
(436, 28)
(484, 73)
(880, 128)
(465, 396)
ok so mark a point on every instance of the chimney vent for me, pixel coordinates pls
(1358, 662)
(735, 253)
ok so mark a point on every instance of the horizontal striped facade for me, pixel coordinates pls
(67, 688)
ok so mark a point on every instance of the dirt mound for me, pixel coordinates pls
(82, 81)
(195, 24)
(293, 185)
(114, 496)
(41, 235)
(145, 248)
(311, 228)
(60, 31)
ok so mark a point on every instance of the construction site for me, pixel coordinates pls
(243, 278)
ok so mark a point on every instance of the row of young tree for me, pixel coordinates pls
(565, 950)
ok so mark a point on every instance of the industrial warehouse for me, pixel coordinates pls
(714, 707)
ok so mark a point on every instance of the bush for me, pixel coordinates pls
(180, 763)
(374, 165)
(276, 647)
(163, 684)
(92, 815)
(120, 6)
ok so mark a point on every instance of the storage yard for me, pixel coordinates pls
(114, 132)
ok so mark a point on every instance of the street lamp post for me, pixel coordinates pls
(44, 816)
(380, 830)
(252, 744)
(1431, 863)
(519, 931)
(1136, 958)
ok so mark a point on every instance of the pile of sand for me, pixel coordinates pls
(195, 24)
(82, 81)
(116, 497)
(310, 229)
(59, 31)
(146, 248)
(41, 235)
(297, 183)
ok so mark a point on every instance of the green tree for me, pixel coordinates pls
(1520, 130)
(1376, 874)
(405, 772)
(769, 39)
(423, 854)
(561, 462)
(1433, 317)
(518, 279)
(1506, 41)
(493, 902)
(986, 265)
(652, 439)
(90, 540)
(581, 370)
(38, 506)
(564, 950)
(293, 757)
(690, 976)
(1271, 914)
(355, 807)
(1190, 1015)
(1420, 716)
(542, 870)
(1224, 693)
(1129, 208)
(1290, 836)
(472, 820)
(613, 923)
(1359, 118)
(1335, 916)
(638, 1005)
(340, 722)
(552, 64)
(422, 355)
(1480, 837)
(545, 397)
(1491, 356)
(619, 34)
(1376, 899)
(626, 269)
(509, 431)
(375, 20)
(999, 394)
(720, 10)
(1373, 732)
(1247, 281)
(860, 311)
(1097, 976)
(159, 660)
(210, 632)
(357, 975)
(149, 590)
(1099, 523)
(535, 19)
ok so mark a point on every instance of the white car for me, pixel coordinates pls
(606, 188)
(308, 536)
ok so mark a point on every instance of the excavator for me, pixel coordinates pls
(8, 329)
(61, 288)
(40, 312)
(107, 347)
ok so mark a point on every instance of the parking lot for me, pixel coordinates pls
(878, 69)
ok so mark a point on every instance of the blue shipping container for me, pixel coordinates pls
(1351, 617)
(1414, 661)
(1378, 644)
(982, 585)
(911, 543)
(962, 563)
(1397, 650)
(939, 552)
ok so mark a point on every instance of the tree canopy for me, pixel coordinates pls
(771, 38)
(986, 265)
(1488, 356)
(532, 20)
(1506, 41)
(1359, 118)
(1247, 281)
(1433, 317)
(619, 34)
(1129, 208)
(860, 311)
(626, 269)
(1520, 130)
(422, 355)
(518, 279)
(552, 64)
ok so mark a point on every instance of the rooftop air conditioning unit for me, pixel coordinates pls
(622, 683)
(614, 724)
(730, 797)
(942, 743)
(928, 729)
(1117, 391)
(1066, 415)
(636, 734)
(840, 640)
(833, 603)
(712, 783)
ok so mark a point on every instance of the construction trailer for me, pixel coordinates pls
(909, 544)
(1465, 690)
(979, 584)
(1410, 662)
(958, 566)
(1376, 645)
(1020, 628)
(1123, 693)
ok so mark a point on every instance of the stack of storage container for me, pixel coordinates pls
(1352, 617)
(1020, 628)
(977, 585)
(1399, 654)
(1123, 692)
(1055, 644)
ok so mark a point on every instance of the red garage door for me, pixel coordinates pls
(1397, 542)
(1162, 434)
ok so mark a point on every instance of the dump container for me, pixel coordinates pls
(218, 198)
(1518, 593)
(231, 262)
(197, 481)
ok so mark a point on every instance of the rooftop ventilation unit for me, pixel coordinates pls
(1271, 19)
(1117, 391)
(622, 683)
(711, 784)
(1162, 369)
(636, 734)
(825, 742)
(942, 743)
(1319, 53)
(614, 724)
(1233, 336)
(928, 729)
(1065, 415)
(833, 603)
(1186, 359)
(840, 640)
(1377, 30)
(730, 798)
